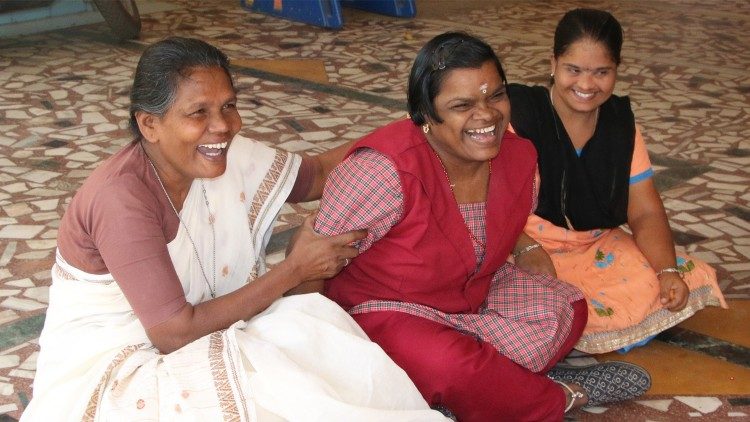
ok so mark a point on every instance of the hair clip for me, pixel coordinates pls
(443, 53)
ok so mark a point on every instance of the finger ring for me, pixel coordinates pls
(347, 261)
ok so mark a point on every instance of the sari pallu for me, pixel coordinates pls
(302, 359)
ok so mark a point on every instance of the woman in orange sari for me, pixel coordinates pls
(595, 177)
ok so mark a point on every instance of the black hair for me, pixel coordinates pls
(597, 25)
(445, 52)
(160, 69)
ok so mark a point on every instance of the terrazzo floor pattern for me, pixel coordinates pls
(63, 109)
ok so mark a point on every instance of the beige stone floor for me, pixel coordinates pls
(63, 109)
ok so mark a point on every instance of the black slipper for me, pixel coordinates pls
(605, 382)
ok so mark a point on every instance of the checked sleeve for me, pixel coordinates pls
(363, 192)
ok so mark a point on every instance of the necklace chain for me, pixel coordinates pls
(212, 290)
(483, 245)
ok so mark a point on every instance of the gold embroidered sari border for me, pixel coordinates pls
(604, 342)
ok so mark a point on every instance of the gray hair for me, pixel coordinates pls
(160, 69)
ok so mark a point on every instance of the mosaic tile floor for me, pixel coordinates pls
(63, 109)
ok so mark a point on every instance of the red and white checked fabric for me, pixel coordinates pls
(525, 317)
(474, 217)
(364, 192)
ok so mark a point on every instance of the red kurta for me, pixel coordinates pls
(429, 255)
(417, 291)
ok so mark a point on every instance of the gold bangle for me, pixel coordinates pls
(527, 249)
(668, 270)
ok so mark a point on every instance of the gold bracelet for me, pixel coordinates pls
(668, 270)
(527, 249)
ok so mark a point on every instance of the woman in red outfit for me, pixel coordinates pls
(444, 197)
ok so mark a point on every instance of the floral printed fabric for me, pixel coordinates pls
(619, 284)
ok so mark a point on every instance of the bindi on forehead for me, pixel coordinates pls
(483, 88)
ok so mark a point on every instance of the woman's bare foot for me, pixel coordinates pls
(575, 396)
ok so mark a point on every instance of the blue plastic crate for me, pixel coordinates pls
(399, 8)
(325, 13)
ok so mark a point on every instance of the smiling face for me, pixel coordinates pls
(584, 76)
(475, 110)
(192, 138)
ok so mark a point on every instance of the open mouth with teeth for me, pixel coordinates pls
(213, 151)
(584, 95)
(485, 134)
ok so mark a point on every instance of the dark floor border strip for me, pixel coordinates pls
(711, 346)
(17, 332)
(331, 89)
(739, 401)
(338, 91)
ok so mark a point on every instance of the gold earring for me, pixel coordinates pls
(426, 128)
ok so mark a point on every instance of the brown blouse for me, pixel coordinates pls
(120, 222)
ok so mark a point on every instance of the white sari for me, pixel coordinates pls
(302, 359)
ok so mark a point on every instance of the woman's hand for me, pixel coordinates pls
(317, 257)
(536, 261)
(312, 257)
(673, 292)
(531, 257)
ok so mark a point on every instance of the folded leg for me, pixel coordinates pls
(462, 373)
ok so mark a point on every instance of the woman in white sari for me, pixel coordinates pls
(161, 307)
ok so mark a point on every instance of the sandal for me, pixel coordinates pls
(604, 382)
